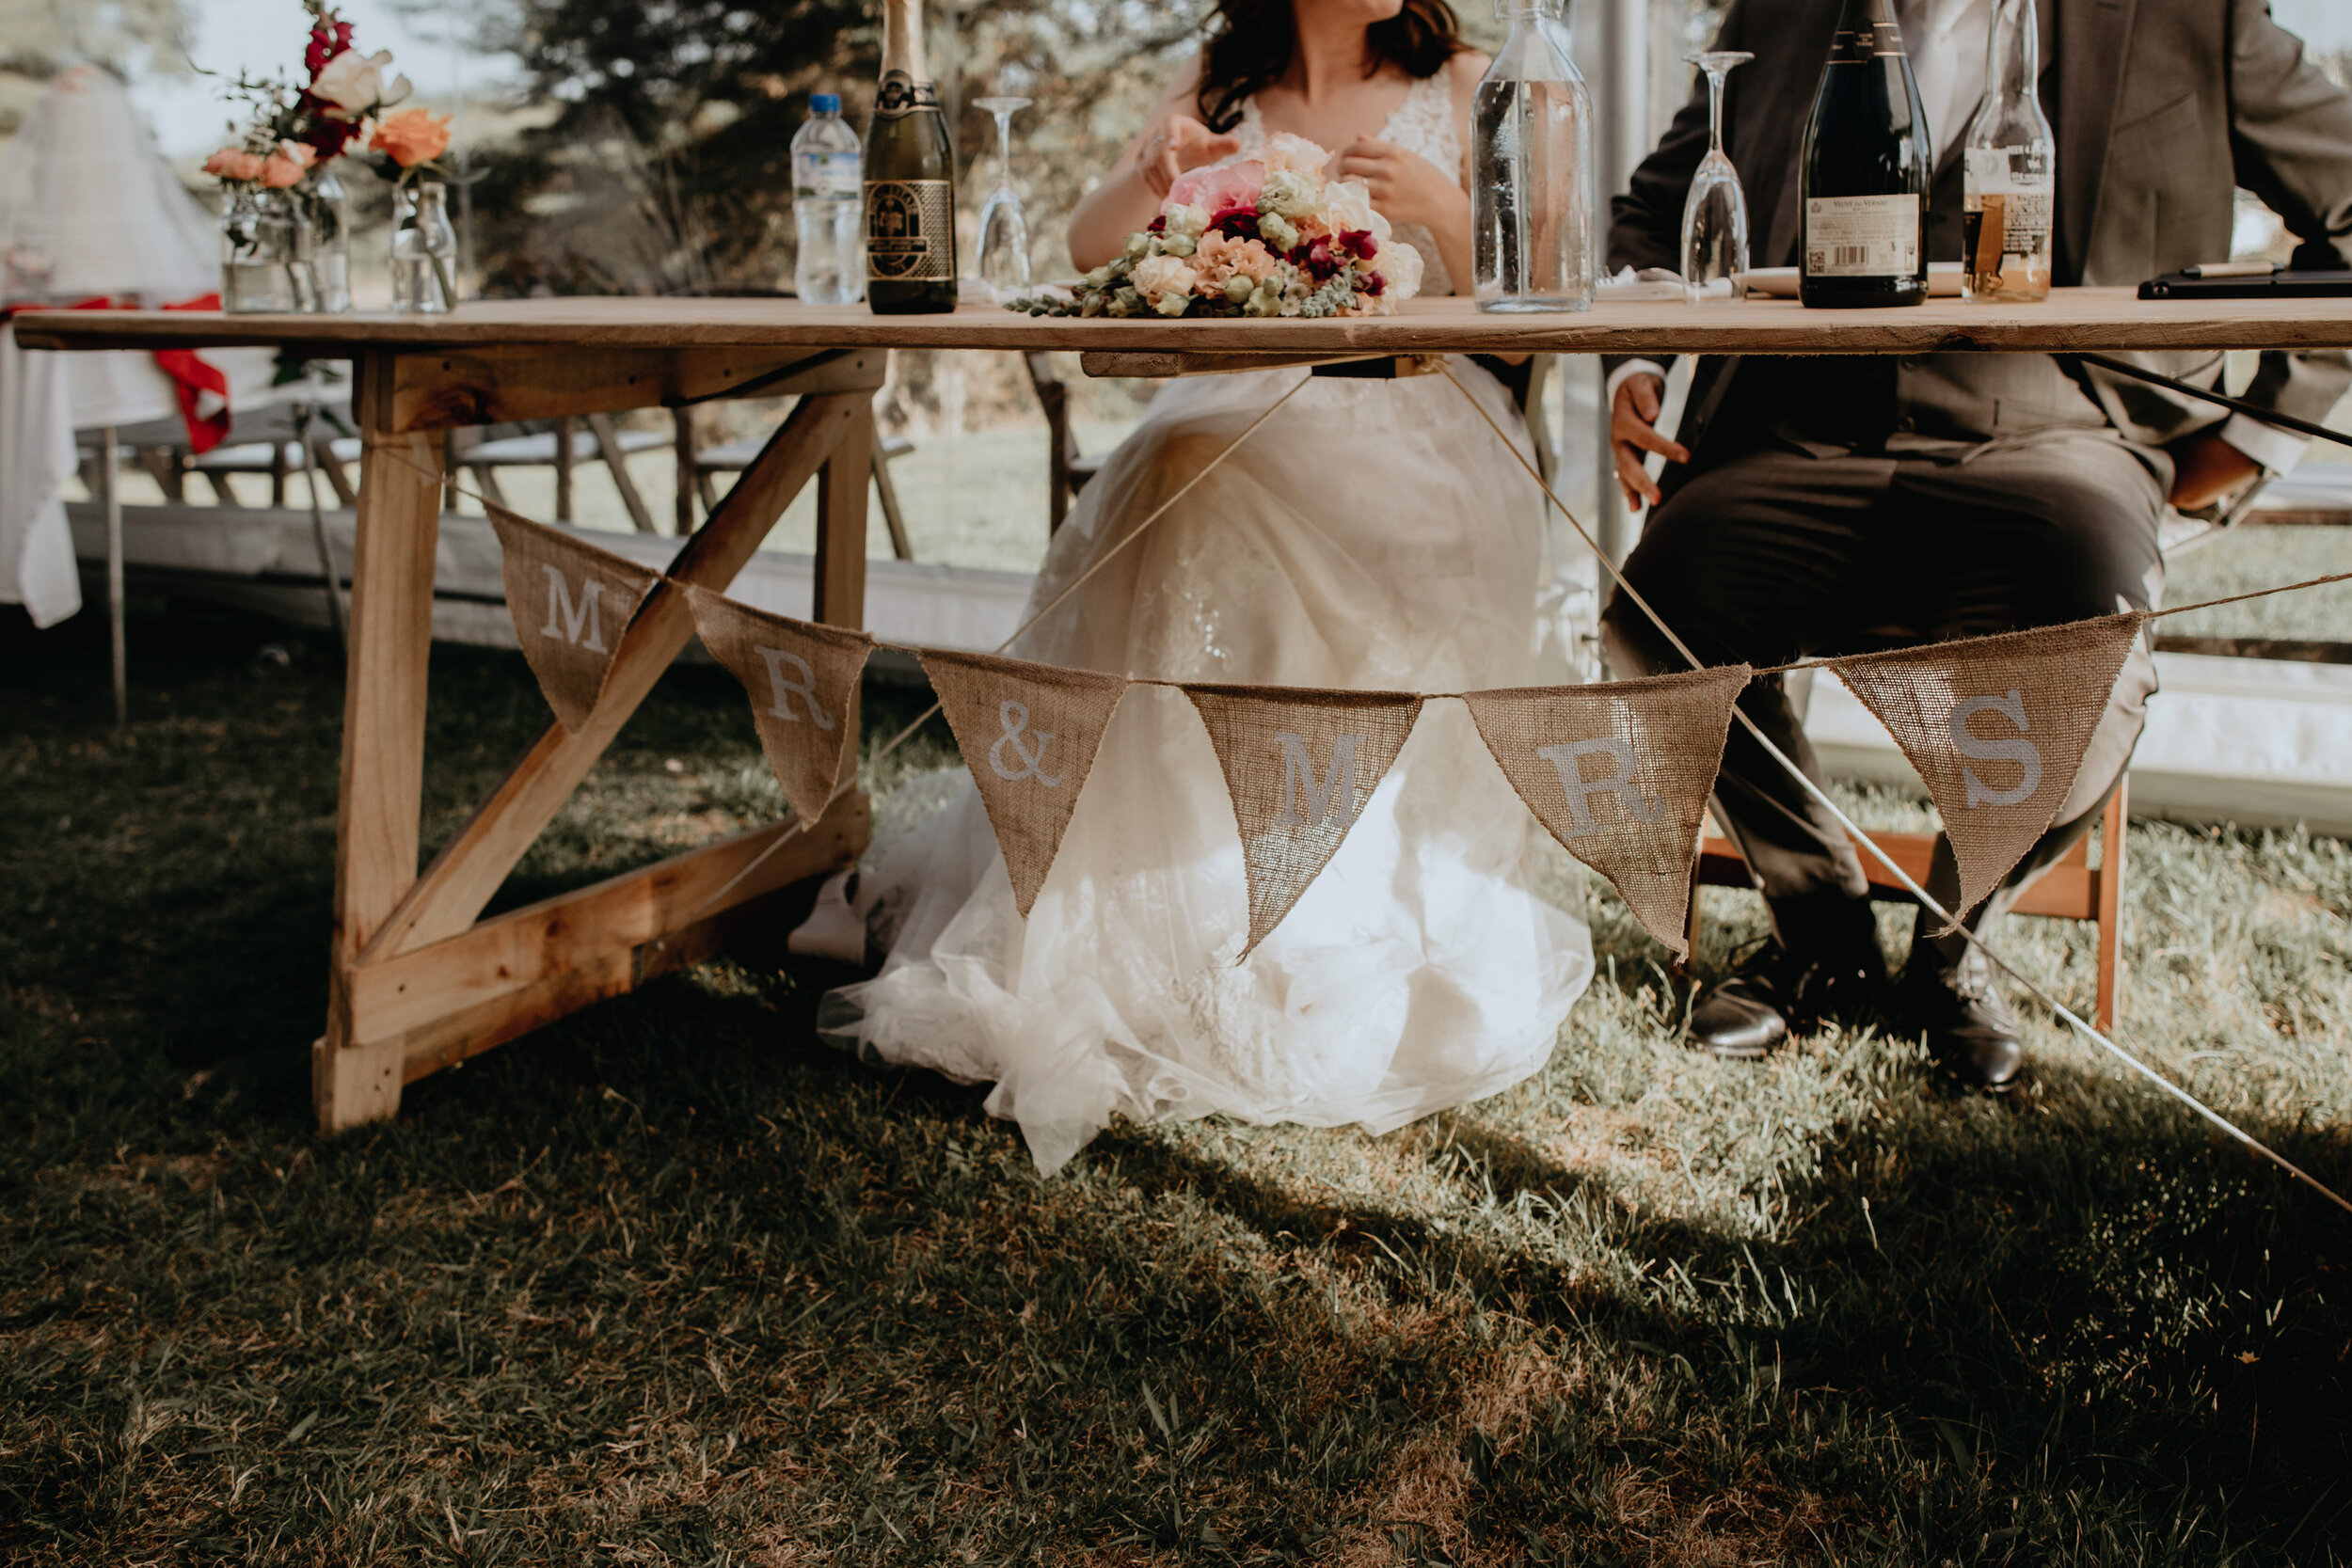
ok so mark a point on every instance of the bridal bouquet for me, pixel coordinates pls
(1265, 236)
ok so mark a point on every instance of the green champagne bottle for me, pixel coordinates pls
(910, 179)
(1866, 163)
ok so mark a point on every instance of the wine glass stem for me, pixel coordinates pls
(1004, 149)
(1714, 111)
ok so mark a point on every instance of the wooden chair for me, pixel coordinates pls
(561, 445)
(2074, 888)
(697, 464)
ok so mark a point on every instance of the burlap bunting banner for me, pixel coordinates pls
(1997, 727)
(803, 679)
(1620, 774)
(1300, 766)
(1029, 734)
(570, 603)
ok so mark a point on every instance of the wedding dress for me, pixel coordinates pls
(1372, 534)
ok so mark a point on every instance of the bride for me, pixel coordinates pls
(1369, 535)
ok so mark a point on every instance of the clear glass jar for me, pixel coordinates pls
(260, 251)
(325, 238)
(1532, 171)
(425, 250)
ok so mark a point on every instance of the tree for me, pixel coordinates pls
(663, 165)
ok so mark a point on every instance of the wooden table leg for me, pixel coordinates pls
(383, 763)
(840, 570)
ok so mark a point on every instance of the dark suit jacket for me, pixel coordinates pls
(2160, 108)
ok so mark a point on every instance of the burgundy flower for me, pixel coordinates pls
(1157, 226)
(1361, 241)
(1236, 223)
(1371, 283)
(1321, 261)
(328, 40)
(327, 136)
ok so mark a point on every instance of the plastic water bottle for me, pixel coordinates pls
(827, 192)
(1532, 171)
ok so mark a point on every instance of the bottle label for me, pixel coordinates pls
(827, 174)
(911, 231)
(1861, 236)
(902, 95)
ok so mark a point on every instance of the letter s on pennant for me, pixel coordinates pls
(2022, 753)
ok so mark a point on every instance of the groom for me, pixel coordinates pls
(1845, 503)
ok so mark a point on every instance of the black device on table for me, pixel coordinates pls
(2233, 283)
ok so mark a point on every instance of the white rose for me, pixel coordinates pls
(354, 84)
(1184, 221)
(1399, 266)
(1156, 277)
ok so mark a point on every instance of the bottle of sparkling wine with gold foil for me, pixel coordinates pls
(910, 179)
(1867, 159)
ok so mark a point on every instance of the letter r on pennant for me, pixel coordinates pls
(2024, 753)
(567, 622)
(1625, 764)
(1333, 795)
(780, 688)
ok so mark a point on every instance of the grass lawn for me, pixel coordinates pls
(673, 1282)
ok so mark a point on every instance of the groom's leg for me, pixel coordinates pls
(1765, 559)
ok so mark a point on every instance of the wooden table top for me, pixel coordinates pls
(2071, 319)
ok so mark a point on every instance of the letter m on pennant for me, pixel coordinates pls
(566, 619)
(1330, 798)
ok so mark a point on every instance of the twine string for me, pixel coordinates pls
(1926, 902)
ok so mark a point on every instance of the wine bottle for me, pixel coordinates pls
(2012, 174)
(1867, 160)
(910, 179)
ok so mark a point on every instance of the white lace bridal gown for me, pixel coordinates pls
(1371, 534)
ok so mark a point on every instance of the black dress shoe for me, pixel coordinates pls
(1970, 1030)
(1825, 962)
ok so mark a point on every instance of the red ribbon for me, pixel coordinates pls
(191, 376)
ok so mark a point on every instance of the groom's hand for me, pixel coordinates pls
(1632, 433)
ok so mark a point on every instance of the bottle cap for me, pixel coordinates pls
(824, 103)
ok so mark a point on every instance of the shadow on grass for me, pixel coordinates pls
(671, 1281)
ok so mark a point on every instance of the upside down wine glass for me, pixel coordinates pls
(1004, 228)
(1715, 217)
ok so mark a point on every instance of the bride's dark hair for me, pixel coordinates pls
(1251, 43)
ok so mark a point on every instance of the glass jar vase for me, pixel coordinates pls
(260, 251)
(325, 239)
(425, 250)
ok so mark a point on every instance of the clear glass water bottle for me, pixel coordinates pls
(828, 206)
(327, 205)
(2010, 179)
(1532, 169)
(425, 250)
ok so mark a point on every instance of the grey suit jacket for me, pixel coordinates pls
(2160, 108)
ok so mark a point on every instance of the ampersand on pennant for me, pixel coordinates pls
(1014, 717)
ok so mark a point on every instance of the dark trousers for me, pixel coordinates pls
(1775, 556)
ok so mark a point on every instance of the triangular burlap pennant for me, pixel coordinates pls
(570, 603)
(1620, 774)
(1300, 766)
(1997, 727)
(801, 676)
(1029, 733)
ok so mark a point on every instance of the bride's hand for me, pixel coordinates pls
(1176, 144)
(1404, 186)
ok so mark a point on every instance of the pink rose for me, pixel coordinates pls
(234, 162)
(1214, 187)
(287, 166)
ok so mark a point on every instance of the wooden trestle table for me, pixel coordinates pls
(418, 980)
